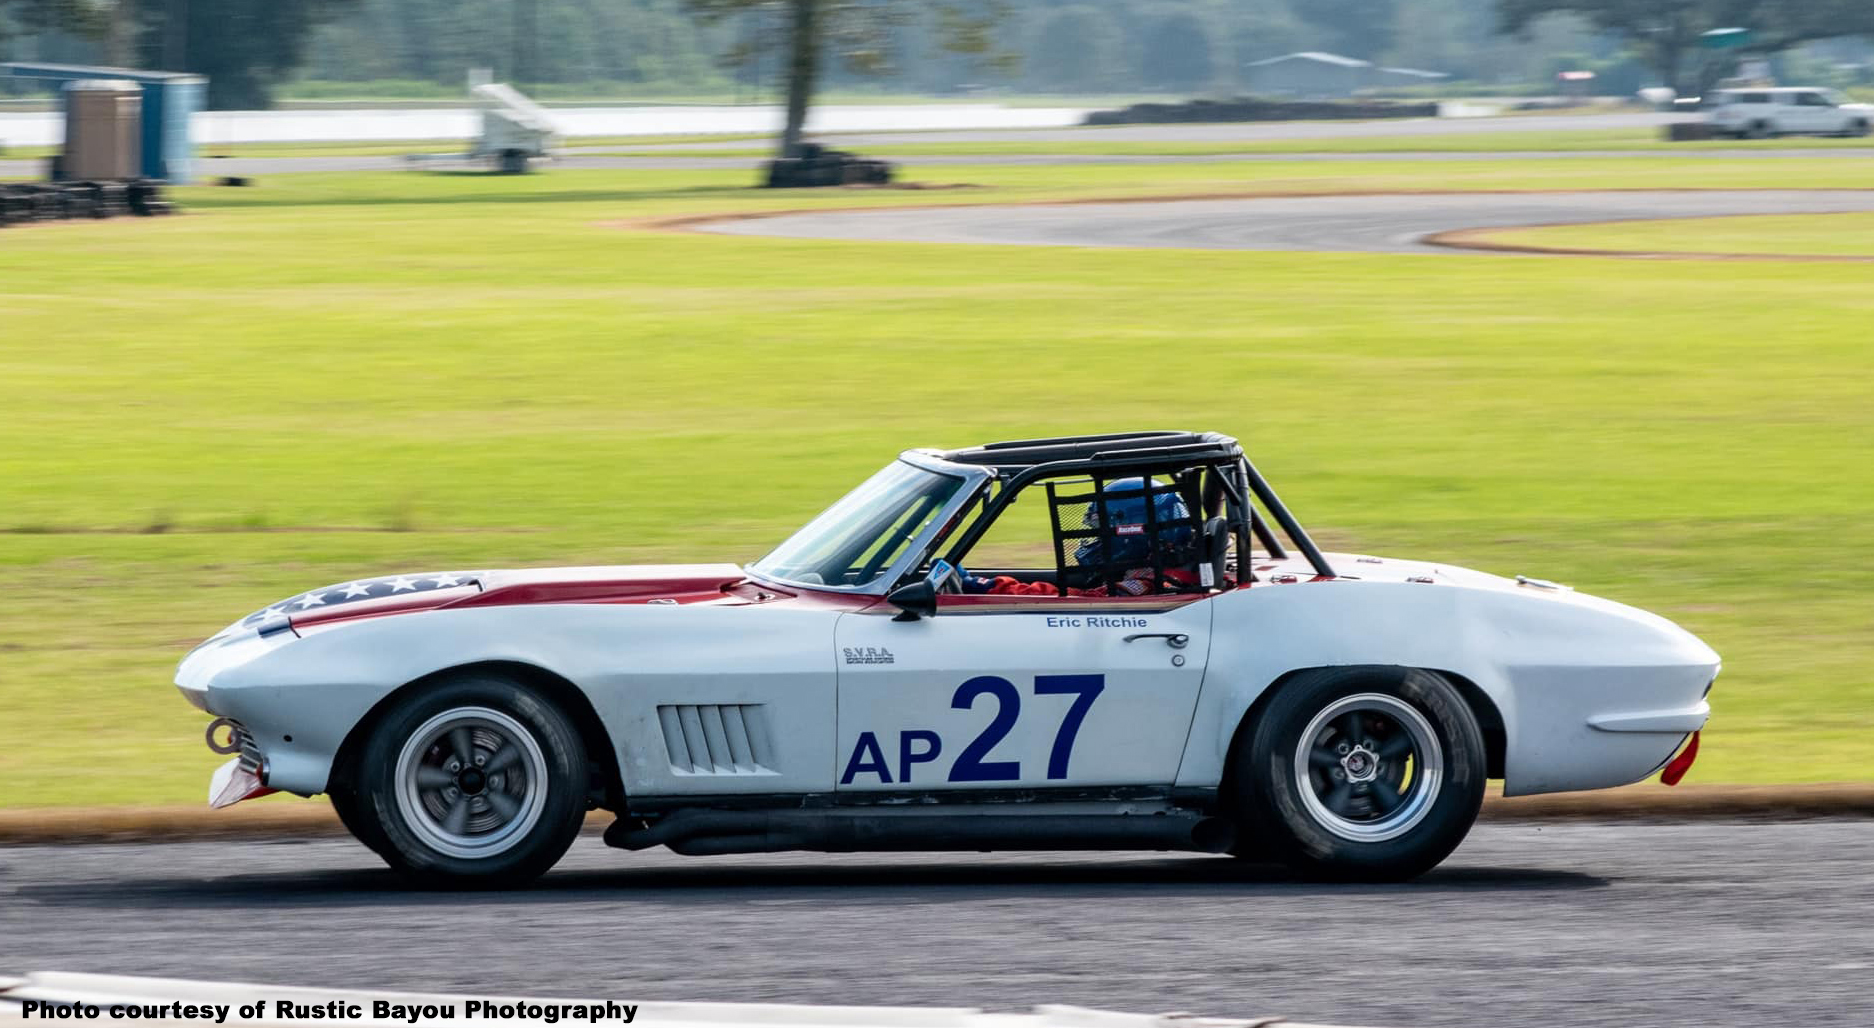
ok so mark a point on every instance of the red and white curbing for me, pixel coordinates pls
(103, 991)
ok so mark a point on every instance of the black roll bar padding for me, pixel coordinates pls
(1211, 494)
(1070, 440)
(1295, 532)
(1242, 519)
(1269, 542)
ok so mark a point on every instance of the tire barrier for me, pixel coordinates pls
(816, 165)
(1250, 108)
(21, 203)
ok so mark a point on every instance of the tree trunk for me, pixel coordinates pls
(1714, 68)
(1666, 59)
(803, 68)
(120, 40)
(176, 36)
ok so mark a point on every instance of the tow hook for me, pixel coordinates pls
(233, 745)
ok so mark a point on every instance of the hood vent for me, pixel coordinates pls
(717, 739)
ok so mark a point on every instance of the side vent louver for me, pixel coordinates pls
(717, 739)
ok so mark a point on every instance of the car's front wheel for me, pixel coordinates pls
(1362, 773)
(477, 781)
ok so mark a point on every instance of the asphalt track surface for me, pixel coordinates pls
(1381, 223)
(1537, 924)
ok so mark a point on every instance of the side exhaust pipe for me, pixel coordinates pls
(714, 832)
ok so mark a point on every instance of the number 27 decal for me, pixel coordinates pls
(918, 746)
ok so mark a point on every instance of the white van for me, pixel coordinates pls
(1761, 113)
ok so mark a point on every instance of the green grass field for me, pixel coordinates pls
(330, 376)
(1824, 235)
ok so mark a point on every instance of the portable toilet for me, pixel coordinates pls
(170, 100)
(103, 130)
(169, 103)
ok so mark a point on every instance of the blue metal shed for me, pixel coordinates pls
(170, 100)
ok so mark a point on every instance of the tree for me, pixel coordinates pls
(1175, 51)
(1355, 28)
(863, 34)
(78, 17)
(1074, 49)
(1667, 32)
(244, 47)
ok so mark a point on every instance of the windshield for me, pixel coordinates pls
(862, 536)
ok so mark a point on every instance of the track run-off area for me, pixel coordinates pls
(1370, 223)
(1540, 923)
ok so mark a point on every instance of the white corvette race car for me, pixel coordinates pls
(1174, 675)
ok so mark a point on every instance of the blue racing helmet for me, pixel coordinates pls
(1127, 512)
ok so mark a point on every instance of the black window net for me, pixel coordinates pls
(1132, 536)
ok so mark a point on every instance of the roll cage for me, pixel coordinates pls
(1209, 468)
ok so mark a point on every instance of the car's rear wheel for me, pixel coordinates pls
(1362, 773)
(477, 781)
(1758, 130)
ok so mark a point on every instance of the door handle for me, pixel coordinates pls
(1175, 640)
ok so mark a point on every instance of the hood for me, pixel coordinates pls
(403, 594)
(1367, 568)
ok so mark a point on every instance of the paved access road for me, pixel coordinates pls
(1384, 223)
(1558, 924)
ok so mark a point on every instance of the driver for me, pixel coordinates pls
(1131, 547)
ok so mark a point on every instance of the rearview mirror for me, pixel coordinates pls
(914, 601)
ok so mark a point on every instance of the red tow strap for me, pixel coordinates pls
(1681, 763)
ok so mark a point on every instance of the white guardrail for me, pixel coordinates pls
(224, 1003)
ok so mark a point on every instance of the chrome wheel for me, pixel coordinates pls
(1368, 767)
(471, 782)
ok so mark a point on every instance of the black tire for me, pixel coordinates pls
(1341, 827)
(520, 793)
(1758, 130)
(345, 805)
(1858, 129)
